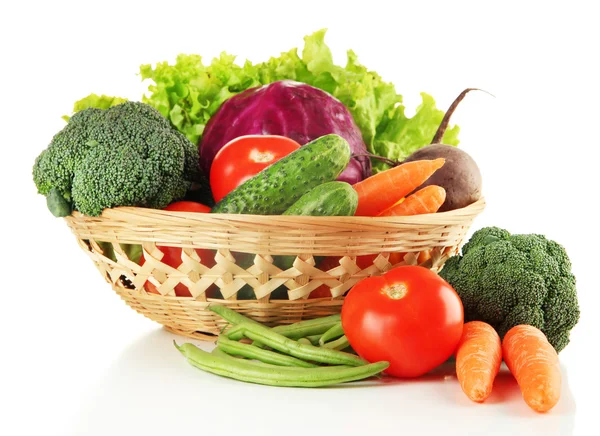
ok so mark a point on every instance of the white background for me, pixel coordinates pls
(76, 360)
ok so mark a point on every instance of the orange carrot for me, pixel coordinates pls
(478, 359)
(534, 363)
(426, 200)
(384, 189)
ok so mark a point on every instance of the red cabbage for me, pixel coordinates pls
(287, 108)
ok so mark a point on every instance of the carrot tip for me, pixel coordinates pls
(542, 403)
(479, 395)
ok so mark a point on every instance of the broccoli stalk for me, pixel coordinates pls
(126, 155)
(507, 280)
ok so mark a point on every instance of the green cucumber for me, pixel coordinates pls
(328, 199)
(277, 187)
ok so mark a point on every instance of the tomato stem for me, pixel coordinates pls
(397, 291)
(261, 156)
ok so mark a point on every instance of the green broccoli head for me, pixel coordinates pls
(55, 166)
(126, 155)
(506, 280)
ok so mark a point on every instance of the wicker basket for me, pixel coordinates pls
(262, 239)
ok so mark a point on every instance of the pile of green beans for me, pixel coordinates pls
(294, 348)
(304, 354)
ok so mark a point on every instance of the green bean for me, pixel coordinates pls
(236, 332)
(339, 344)
(240, 369)
(274, 340)
(302, 329)
(333, 333)
(304, 341)
(219, 352)
(250, 351)
(229, 315)
(297, 330)
(314, 339)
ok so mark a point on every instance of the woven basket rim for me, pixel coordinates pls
(137, 212)
(276, 234)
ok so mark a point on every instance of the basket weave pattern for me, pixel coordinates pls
(262, 239)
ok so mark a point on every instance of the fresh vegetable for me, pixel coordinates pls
(333, 333)
(172, 255)
(340, 343)
(328, 199)
(310, 329)
(187, 206)
(199, 190)
(95, 101)
(316, 326)
(244, 157)
(301, 329)
(58, 203)
(288, 108)
(259, 333)
(268, 337)
(478, 359)
(534, 363)
(383, 190)
(280, 185)
(236, 348)
(314, 339)
(460, 176)
(425, 200)
(258, 372)
(126, 155)
(229, 315)
(507, 280)
(188, 93)
(409, 317)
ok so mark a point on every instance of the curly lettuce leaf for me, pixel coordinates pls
(189, 92)
(96, 101)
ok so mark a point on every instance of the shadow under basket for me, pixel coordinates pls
(274, 269)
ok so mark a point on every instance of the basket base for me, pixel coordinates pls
(200, 336)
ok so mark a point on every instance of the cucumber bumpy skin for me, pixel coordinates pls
(328, 199)
(280, 185)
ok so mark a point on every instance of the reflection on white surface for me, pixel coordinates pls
(151, 390)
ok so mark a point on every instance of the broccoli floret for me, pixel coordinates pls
(126, 155)
(506, 280)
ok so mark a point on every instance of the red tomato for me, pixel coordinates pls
(172, 255)
(244, 157)
(187, 206)
(410, 317)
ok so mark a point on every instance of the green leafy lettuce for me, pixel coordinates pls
(97, 101)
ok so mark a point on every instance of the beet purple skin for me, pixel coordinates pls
(287, 108)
